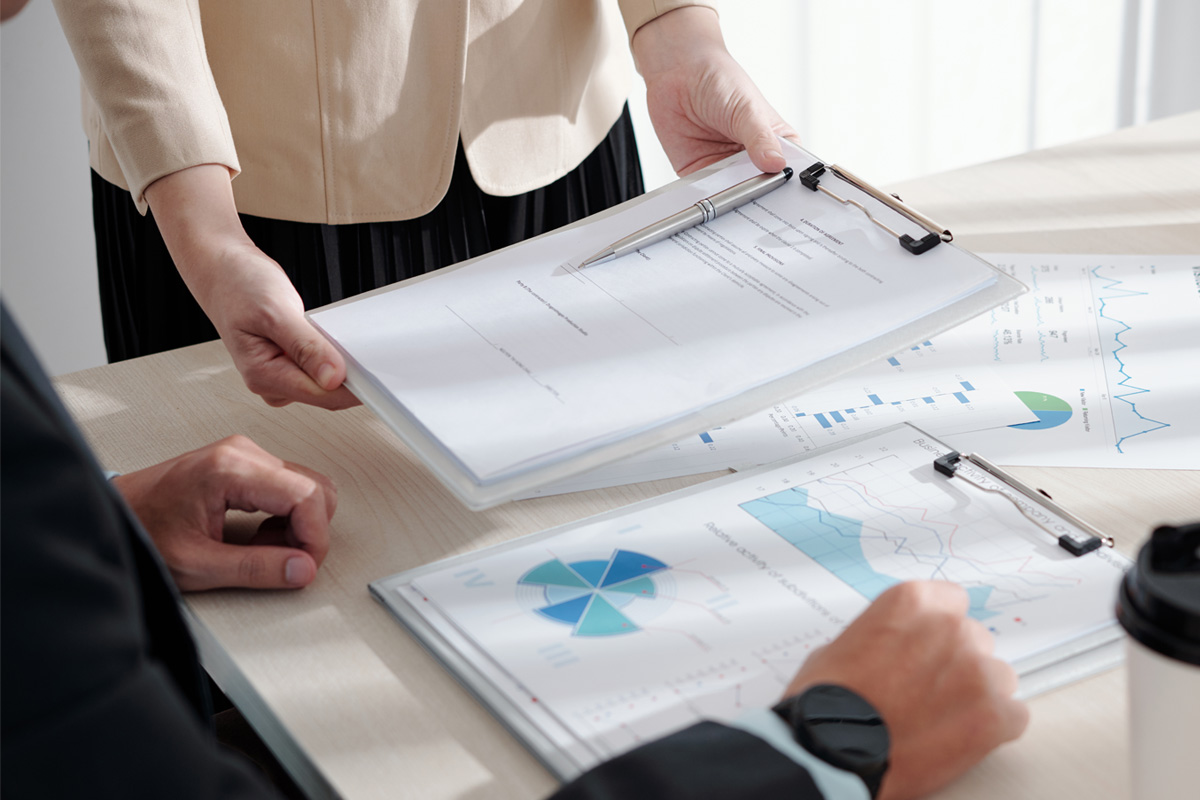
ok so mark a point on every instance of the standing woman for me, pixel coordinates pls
(371, 140)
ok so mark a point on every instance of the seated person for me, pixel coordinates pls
(103, 695)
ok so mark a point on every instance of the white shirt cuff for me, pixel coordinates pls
(833, 783)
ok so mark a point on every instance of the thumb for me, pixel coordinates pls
(312, 352)
(754, 129)
(220, 565)
(760, 141)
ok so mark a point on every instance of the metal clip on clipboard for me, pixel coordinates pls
(810, 178)
(1072, 542)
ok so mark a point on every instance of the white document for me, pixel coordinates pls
(703, 603)
(917, 386)
(1105, 350)
(520, 360)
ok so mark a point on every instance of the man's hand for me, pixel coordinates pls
(703, 105)
(929, 670)
(247, 296)
(182, 504)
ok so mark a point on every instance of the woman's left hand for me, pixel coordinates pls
(703, 104)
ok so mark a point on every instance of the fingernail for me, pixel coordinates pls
(325, 376)
(296, 571)
(773, 154)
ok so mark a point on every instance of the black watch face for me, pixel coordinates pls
(840, 727)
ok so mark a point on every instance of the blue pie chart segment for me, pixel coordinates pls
(589, 595)
(626, 565)
(1050, 411)
(570, 612)
(591, 571)
(1046, 419)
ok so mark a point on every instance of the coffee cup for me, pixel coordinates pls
(1159, 607)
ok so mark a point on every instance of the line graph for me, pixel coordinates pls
(1104, 349)
(1109, 291)
(1035, 284)
(873, 526)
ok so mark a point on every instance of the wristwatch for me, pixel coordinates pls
(841, 728)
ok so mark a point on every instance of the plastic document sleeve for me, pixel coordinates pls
(590, 638)
(521, 355)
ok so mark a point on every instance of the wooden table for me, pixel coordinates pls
(354, 706)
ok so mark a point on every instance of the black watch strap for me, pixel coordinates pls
(839, 726)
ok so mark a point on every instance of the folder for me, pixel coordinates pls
(589, 638)
(517, 369)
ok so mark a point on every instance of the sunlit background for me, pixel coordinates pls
(891, 89)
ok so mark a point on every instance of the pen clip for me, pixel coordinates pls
(936, 234)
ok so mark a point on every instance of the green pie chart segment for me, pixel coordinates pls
(1051, 411)
(602, 619)
(554, 573)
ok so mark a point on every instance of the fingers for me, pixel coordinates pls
(260, 316)
(323, 481)
(1001, 679)
(918, 603)
(754, 124)
(977, 638)
(219, 565)
(237, 474)
(1014, 718)
(312, 352)
(265, 483)
(928, 667)
(267, 359)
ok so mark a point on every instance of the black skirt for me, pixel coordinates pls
(146, 307)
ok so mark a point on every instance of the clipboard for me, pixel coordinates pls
(852, 201)
(578, 697)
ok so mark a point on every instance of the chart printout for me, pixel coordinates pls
(703, 605)
(520, 360)
(918, 385)
(1104, 349)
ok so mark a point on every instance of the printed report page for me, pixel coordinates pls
(639, 623)
(522, 359)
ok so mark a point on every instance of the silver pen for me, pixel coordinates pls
(706, 210)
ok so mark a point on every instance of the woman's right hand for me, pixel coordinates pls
(245, 294)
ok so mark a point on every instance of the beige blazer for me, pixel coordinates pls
(345, 111)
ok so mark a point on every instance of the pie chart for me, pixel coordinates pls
(592, 596)
(1051, 411)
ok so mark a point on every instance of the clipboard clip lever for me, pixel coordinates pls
(936, 234)
(1076, 543)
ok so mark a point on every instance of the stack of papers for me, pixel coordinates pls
(593, 637)
(1085, 371)
(519, 368)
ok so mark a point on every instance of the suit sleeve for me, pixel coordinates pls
(90, 708)
(638, 12)
(145, 65)
(707, 761)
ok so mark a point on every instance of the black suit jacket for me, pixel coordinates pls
(101, 693)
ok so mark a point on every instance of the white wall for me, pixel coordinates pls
(47, 251)
(889, 88)
(893, 89)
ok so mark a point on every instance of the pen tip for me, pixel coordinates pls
(601, 256)
(787, 173)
